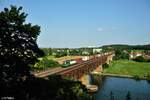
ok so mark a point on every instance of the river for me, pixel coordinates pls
(114, 88)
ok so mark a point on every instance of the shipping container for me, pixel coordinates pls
(85, 58)
(78, 60)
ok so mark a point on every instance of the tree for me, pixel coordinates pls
(45, 63)
(74, 52)
(111, 96)
(105, 65)
(128, 96)
(18, 48)
(120, 54)
(47, 51)
(139, 59)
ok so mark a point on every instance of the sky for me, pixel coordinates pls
(87, 23)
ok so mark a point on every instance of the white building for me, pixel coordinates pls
(97, 50)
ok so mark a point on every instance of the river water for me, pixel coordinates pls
(114, 88)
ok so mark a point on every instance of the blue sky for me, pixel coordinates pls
(81, 23)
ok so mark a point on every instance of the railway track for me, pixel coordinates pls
(61, 71)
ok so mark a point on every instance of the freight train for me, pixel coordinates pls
(68, 63)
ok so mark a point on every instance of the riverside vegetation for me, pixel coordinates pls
(129, 67)
(139, 67)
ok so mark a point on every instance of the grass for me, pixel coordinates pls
(51, 62)
(61, 59)
(128, 67)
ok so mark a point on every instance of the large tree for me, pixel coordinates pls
(18, 48)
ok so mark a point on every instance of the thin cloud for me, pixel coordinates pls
(100, 29)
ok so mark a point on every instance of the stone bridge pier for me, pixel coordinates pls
(109, 59)
(86, 78)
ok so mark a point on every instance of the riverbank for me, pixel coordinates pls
(123, 76)
(129, 69)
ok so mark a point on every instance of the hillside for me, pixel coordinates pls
(128, 47)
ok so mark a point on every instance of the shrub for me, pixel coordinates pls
(136, 77)
(120, 54)
(105, 65)
(45, 63)
(139, 59)
(147, 75)
(147, 60)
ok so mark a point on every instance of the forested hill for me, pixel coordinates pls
(128, 47)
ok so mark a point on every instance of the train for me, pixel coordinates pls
(70, 62)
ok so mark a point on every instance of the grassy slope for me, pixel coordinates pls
(126, 67)
(61, 59)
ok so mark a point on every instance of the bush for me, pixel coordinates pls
(54, 88)
(147, 60)
(136, 77)
(45, 63)
(120, 54)
(139, 59)
(147, 75)
(105, 65)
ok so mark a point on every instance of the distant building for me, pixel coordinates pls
(136, 54)
(97, 50)
(85, 58)
(147, 56)
(85, 53)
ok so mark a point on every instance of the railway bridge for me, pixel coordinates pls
(81, 71)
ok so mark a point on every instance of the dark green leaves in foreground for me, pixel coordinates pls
(18, 48)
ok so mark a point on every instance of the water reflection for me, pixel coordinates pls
(113, 88)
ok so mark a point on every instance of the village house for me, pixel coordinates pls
(147, 56)
(97, 50)
(136, 54)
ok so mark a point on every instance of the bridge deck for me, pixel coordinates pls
(83, 65)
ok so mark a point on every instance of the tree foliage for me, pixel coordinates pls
(105, 65)
(45, 63)
(128, 47)
(47, 51)
(141, 59)
(18, 48)
(57, 89)
(119, 54)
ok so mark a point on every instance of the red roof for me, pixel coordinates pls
(147, 56)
